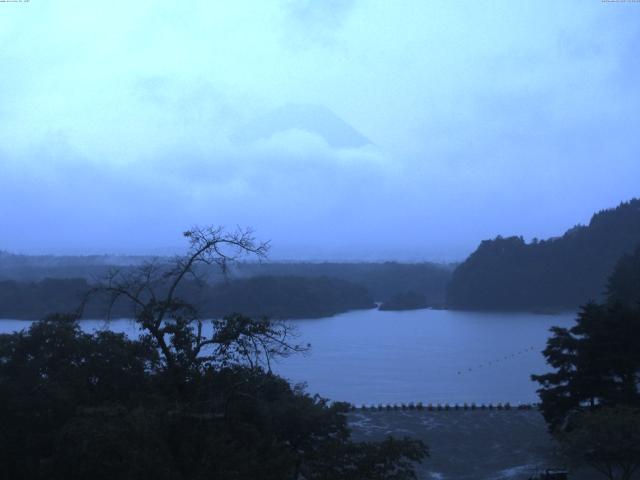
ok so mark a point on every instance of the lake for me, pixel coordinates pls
(432, 356)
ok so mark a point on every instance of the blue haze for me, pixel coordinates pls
(510, 117)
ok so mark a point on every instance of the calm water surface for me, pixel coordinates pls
(372, 357)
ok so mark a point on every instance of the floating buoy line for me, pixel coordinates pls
(496, 361)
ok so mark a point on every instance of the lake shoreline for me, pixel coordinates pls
(378, 357)
(541, 312)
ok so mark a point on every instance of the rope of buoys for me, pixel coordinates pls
(498, 360)
(430, 407)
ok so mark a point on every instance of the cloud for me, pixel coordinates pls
(501, 118)
(315, 21)
(291, 181)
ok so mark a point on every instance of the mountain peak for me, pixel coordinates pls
(315, 119)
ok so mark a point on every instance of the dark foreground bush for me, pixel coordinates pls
(75, 406)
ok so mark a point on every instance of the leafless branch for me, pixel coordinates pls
(175, 325)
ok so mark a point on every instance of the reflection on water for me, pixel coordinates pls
(431, 356)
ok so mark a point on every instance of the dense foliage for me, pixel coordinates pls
(564, 272)
(596, 362)
(285, 297)
(278, 297)
(381, 280)
(607, 439)
(405, 301)
(591, 400)
(624, 283)
(75, 405)
(190, 399)
(33, 268)
(33, 300)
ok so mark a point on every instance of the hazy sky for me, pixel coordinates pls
(485, 118)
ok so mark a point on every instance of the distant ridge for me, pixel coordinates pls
(314, 119)
(559, 273)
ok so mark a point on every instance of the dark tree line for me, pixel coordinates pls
(286, 297)
(405, 301)
(559, 273)
(382, 280)
(272, 296)
(591, 399)
(187, 400)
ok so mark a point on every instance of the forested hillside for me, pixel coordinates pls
(563, 272)
(31, 286)
(383, 280)
(31, 268)
(285, 297)
(277, 297)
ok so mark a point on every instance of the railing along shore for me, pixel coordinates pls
(443, 407)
